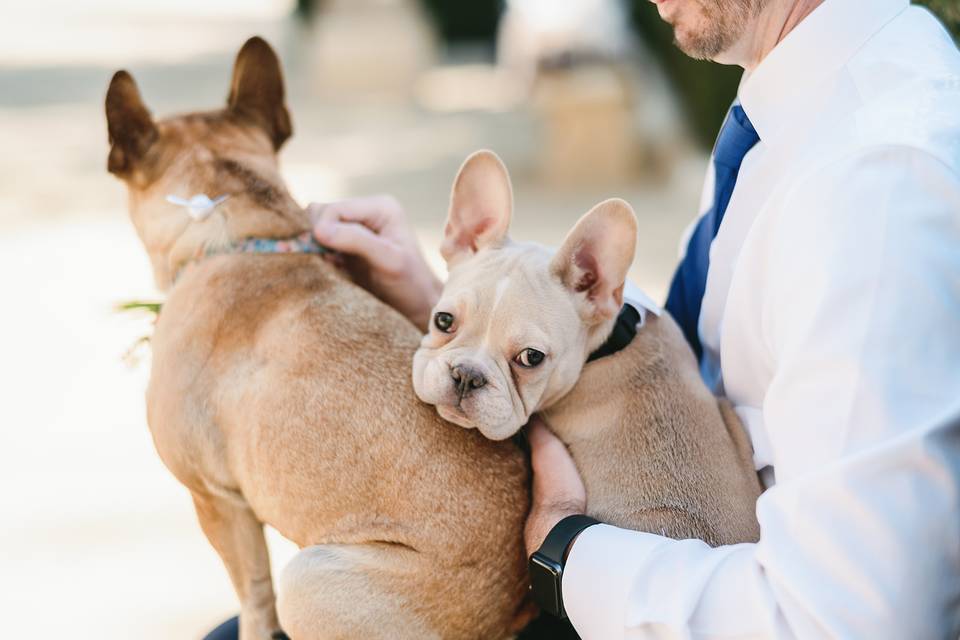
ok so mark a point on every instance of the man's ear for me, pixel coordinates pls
(256, 90)
(480, 207)
(595, 257)
(129, 124)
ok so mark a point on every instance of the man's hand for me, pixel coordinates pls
(558, 491)
(381, 250)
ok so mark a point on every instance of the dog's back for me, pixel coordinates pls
(658, 451)
(280, 394)
(288, 386)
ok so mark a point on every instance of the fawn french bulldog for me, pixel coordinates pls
(279, 394)
(512, 333)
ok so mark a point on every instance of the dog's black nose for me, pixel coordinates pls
(466, 379)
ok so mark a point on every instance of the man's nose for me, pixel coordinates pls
(466, 379)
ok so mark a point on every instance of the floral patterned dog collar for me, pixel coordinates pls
(302, 243)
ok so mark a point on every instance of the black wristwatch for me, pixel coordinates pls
(546, 564)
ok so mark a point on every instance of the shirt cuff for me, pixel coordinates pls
(598, 578)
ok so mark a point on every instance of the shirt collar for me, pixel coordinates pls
(809, 55)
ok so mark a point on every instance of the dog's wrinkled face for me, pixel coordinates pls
(227, 152)
(516, 322)
(504, 340)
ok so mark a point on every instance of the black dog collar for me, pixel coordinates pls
(624, 331)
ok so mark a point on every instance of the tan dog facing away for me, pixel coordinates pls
(510, 336)
(280, 394)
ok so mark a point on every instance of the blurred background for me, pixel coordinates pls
(583, 99)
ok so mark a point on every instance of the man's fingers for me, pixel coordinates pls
(539, 434)
(557, 488)
(556, 479)
(358, 240)
(373, 212)
(546, 449)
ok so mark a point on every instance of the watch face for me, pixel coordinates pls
(545, 583)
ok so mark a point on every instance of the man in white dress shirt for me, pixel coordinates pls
(826, 307)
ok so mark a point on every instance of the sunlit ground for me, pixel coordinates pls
(97, 540)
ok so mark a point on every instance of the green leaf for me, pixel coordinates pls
(151, 307)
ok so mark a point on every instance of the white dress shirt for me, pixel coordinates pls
(831, 320)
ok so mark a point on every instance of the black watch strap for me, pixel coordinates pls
(555, 544)
(546, 564)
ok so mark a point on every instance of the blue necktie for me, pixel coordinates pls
(736, 138)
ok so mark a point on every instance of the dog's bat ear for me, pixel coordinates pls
(256, 90)
(596, 256)
(129, 124)
(480, 207)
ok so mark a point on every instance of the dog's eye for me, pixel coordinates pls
(529, 358)
(443, 321)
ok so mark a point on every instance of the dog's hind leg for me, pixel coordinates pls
(340, 592)
(237, 535)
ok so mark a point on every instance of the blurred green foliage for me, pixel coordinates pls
(306, 8)
(948, 11)
(461, 20)
(706, 89)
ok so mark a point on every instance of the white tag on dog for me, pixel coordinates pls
(199, 207)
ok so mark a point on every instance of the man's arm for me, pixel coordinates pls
(861, 535)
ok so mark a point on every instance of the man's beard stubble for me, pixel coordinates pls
(724, 23)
